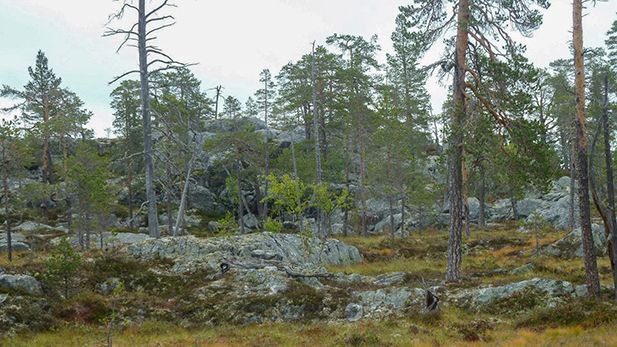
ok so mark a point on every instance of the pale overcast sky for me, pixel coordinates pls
(232, 40)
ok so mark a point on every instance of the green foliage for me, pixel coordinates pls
(328, 200)
(273, 225)
(228, 224)
(87, 182)
(287, 194)
(63, 264)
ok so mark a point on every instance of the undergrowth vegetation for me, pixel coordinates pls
(490, 258)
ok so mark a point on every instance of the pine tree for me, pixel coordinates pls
(40, 100)
(481, 27)
(127, 123)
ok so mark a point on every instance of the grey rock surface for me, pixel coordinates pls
(21, 283)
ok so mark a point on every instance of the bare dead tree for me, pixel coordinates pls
(318, 173)
(152, 60)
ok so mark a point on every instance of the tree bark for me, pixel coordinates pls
(513, 206)
(610, 185)
(46, 150)
(318, 170)
(216, 105)
(185, 191)
(453, 272)
(347, 159)
(153, 223)
(391, 211)
(571, 216)
(9, 242)
(363, 184)
(240, 198)
(265, 204)
(591, 267)
(129, 183)
(402, 214)
(294, 162)
(316, 119)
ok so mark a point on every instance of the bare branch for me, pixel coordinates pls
(165, 3)
(159, 28)
(120, 13)
(123, 75)
(157, 19)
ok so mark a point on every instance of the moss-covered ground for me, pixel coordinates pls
(489, 258)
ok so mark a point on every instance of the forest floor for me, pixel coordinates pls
(577, 322)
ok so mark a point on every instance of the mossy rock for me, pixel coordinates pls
(524, 300)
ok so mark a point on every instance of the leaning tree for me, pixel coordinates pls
(152, 60)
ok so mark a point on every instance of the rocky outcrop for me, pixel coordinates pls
(532, 292)
(30, 227)
(110, 240)
(552, 207)
(190, 254)
(571, 245)
(384, 302)
(202, 199)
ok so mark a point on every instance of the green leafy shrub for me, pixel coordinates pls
(273, 225)
(228, 224)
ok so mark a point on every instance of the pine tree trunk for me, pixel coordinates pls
(346, 212)
(391, 211)
(610, 185)
(513, 206)
(88, 231)
(46, 155)
(153, 223)
(318, 173)
(185, 191)
(571, 216)
(240, 198)
(453, 272)
(294, 162)
(129, 183)
(216, 105)
(65, 156)
(402, 214)
(9, 242)
(591, 267)
(264, 211)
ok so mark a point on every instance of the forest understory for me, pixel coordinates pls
(492, 258)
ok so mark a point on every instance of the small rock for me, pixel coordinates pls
(109, 285)
(580, 290)
(353, 312)
(522, 269)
